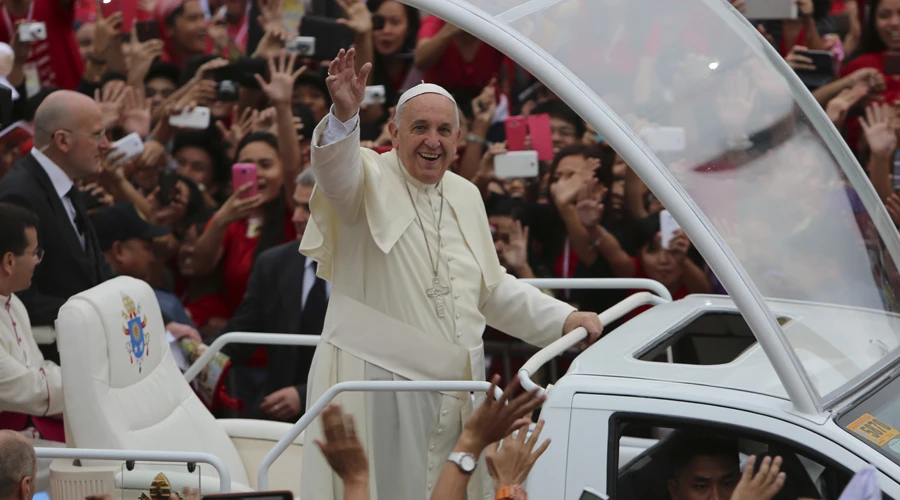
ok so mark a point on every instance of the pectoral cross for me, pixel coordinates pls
(437, 293)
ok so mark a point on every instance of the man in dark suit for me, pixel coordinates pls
(69, 143)
(272, 305)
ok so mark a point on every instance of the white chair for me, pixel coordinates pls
(123, 390)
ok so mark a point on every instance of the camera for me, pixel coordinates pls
(302, 45)
(227, 91)
(32, 32)
(375, 94)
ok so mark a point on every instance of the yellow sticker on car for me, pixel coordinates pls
(873, 429)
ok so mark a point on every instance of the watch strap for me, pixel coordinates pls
(514, 492)
(457, 458)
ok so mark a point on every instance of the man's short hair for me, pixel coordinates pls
(558, 109)
(306, 178)
(695, 446)
(13, 221)
(17, 461)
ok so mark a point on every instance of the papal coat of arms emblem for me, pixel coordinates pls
(137, 344)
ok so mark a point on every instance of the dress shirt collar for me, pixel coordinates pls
(309, 263)
(60, 180)
(413, 181)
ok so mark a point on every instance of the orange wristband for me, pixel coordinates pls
(514, 492)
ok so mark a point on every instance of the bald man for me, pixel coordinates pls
(18, 467)
(69, 144)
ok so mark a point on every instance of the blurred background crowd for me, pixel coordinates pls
(220, 261)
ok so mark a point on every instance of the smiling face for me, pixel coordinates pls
(887, 23)
(189, 29)
(268, 168)
(426, 136)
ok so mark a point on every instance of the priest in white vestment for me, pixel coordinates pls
(408, 250)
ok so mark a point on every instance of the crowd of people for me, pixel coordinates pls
(224, 257)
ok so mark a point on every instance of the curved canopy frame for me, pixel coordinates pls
(501, 24)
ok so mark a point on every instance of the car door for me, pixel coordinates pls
(592, 460)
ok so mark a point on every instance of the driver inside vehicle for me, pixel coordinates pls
(709, 468)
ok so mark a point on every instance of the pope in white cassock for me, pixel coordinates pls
(407, 247)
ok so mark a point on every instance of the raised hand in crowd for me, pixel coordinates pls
(96, 191)
(110, 100)
(796, 60)
(173, 212)
(280, 86)
(272, 42)
(270, 14)
(590, 207)
(141, 57)
(514, 253)
(345, 453)
(762, 485)
(679, 246)
(236, 208)
(510, 461)
(347, 89)
(241, 125)
(359, 19)
(838, 107)
(135, 113)
(878, 129)
(492, 421)
(565, 191)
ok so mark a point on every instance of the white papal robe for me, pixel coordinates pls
(381, 324)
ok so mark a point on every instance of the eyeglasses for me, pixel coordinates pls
(97, 136)
(38, 254)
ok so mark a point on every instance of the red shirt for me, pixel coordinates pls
(890, 95)
(639, 273)
(238, 259)
(58, 58)
(454, 72)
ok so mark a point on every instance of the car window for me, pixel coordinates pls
(651, 452)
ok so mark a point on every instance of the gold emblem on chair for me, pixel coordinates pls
(160, 489)
(137, 344)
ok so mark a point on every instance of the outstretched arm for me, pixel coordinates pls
(336, 159)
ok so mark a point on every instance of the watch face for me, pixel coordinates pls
(468, 463)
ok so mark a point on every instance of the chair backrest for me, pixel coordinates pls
(121, 386)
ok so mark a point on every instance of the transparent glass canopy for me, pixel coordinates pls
(758, 158)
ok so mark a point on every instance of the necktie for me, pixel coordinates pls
(313, 316)
(74, 195)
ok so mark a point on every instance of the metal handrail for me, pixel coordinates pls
(568, 340)
(262, 481)
(246, 338)
(144, 456)
(602, 284)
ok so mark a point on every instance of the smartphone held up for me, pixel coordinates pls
(244, 174)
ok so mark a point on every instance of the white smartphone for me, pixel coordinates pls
(591, 494)
(32, 32)
(759, 10)
(197, 118)
(375, 94)
(131, 145)
(302, 45)
(667, 228)
(516, 164)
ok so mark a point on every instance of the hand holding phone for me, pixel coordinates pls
(242, 174)
(131, 145)
(197, 118)
(516, 133)
(516, 165)
(541, 136)
(667, 228)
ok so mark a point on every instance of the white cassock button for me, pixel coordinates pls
(440, 431)
(458, 334)
(456, 296)
(457, 315)
(430, 486)
(430, 466)
(452, 278)
(443, 413)
(431, 448)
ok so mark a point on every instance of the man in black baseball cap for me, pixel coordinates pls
(126, 239)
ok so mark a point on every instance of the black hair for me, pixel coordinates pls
(112, 76)
(645, 230)
(412, 29)
(13, 222)
(605, 154)
(505, 206)
(274, 212)
(170, 19)
(307, 118)
(870, 41)
(191, 66)
(379, 73)
(208, 142)
(199, 219)
(558, 109)
(699, 445)
(161, 69)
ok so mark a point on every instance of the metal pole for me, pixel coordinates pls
(262, 481)
(602, 284)
(246, 338)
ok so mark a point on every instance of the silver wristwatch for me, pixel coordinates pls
(465, 461)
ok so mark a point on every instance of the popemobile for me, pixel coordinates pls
(799, 359)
